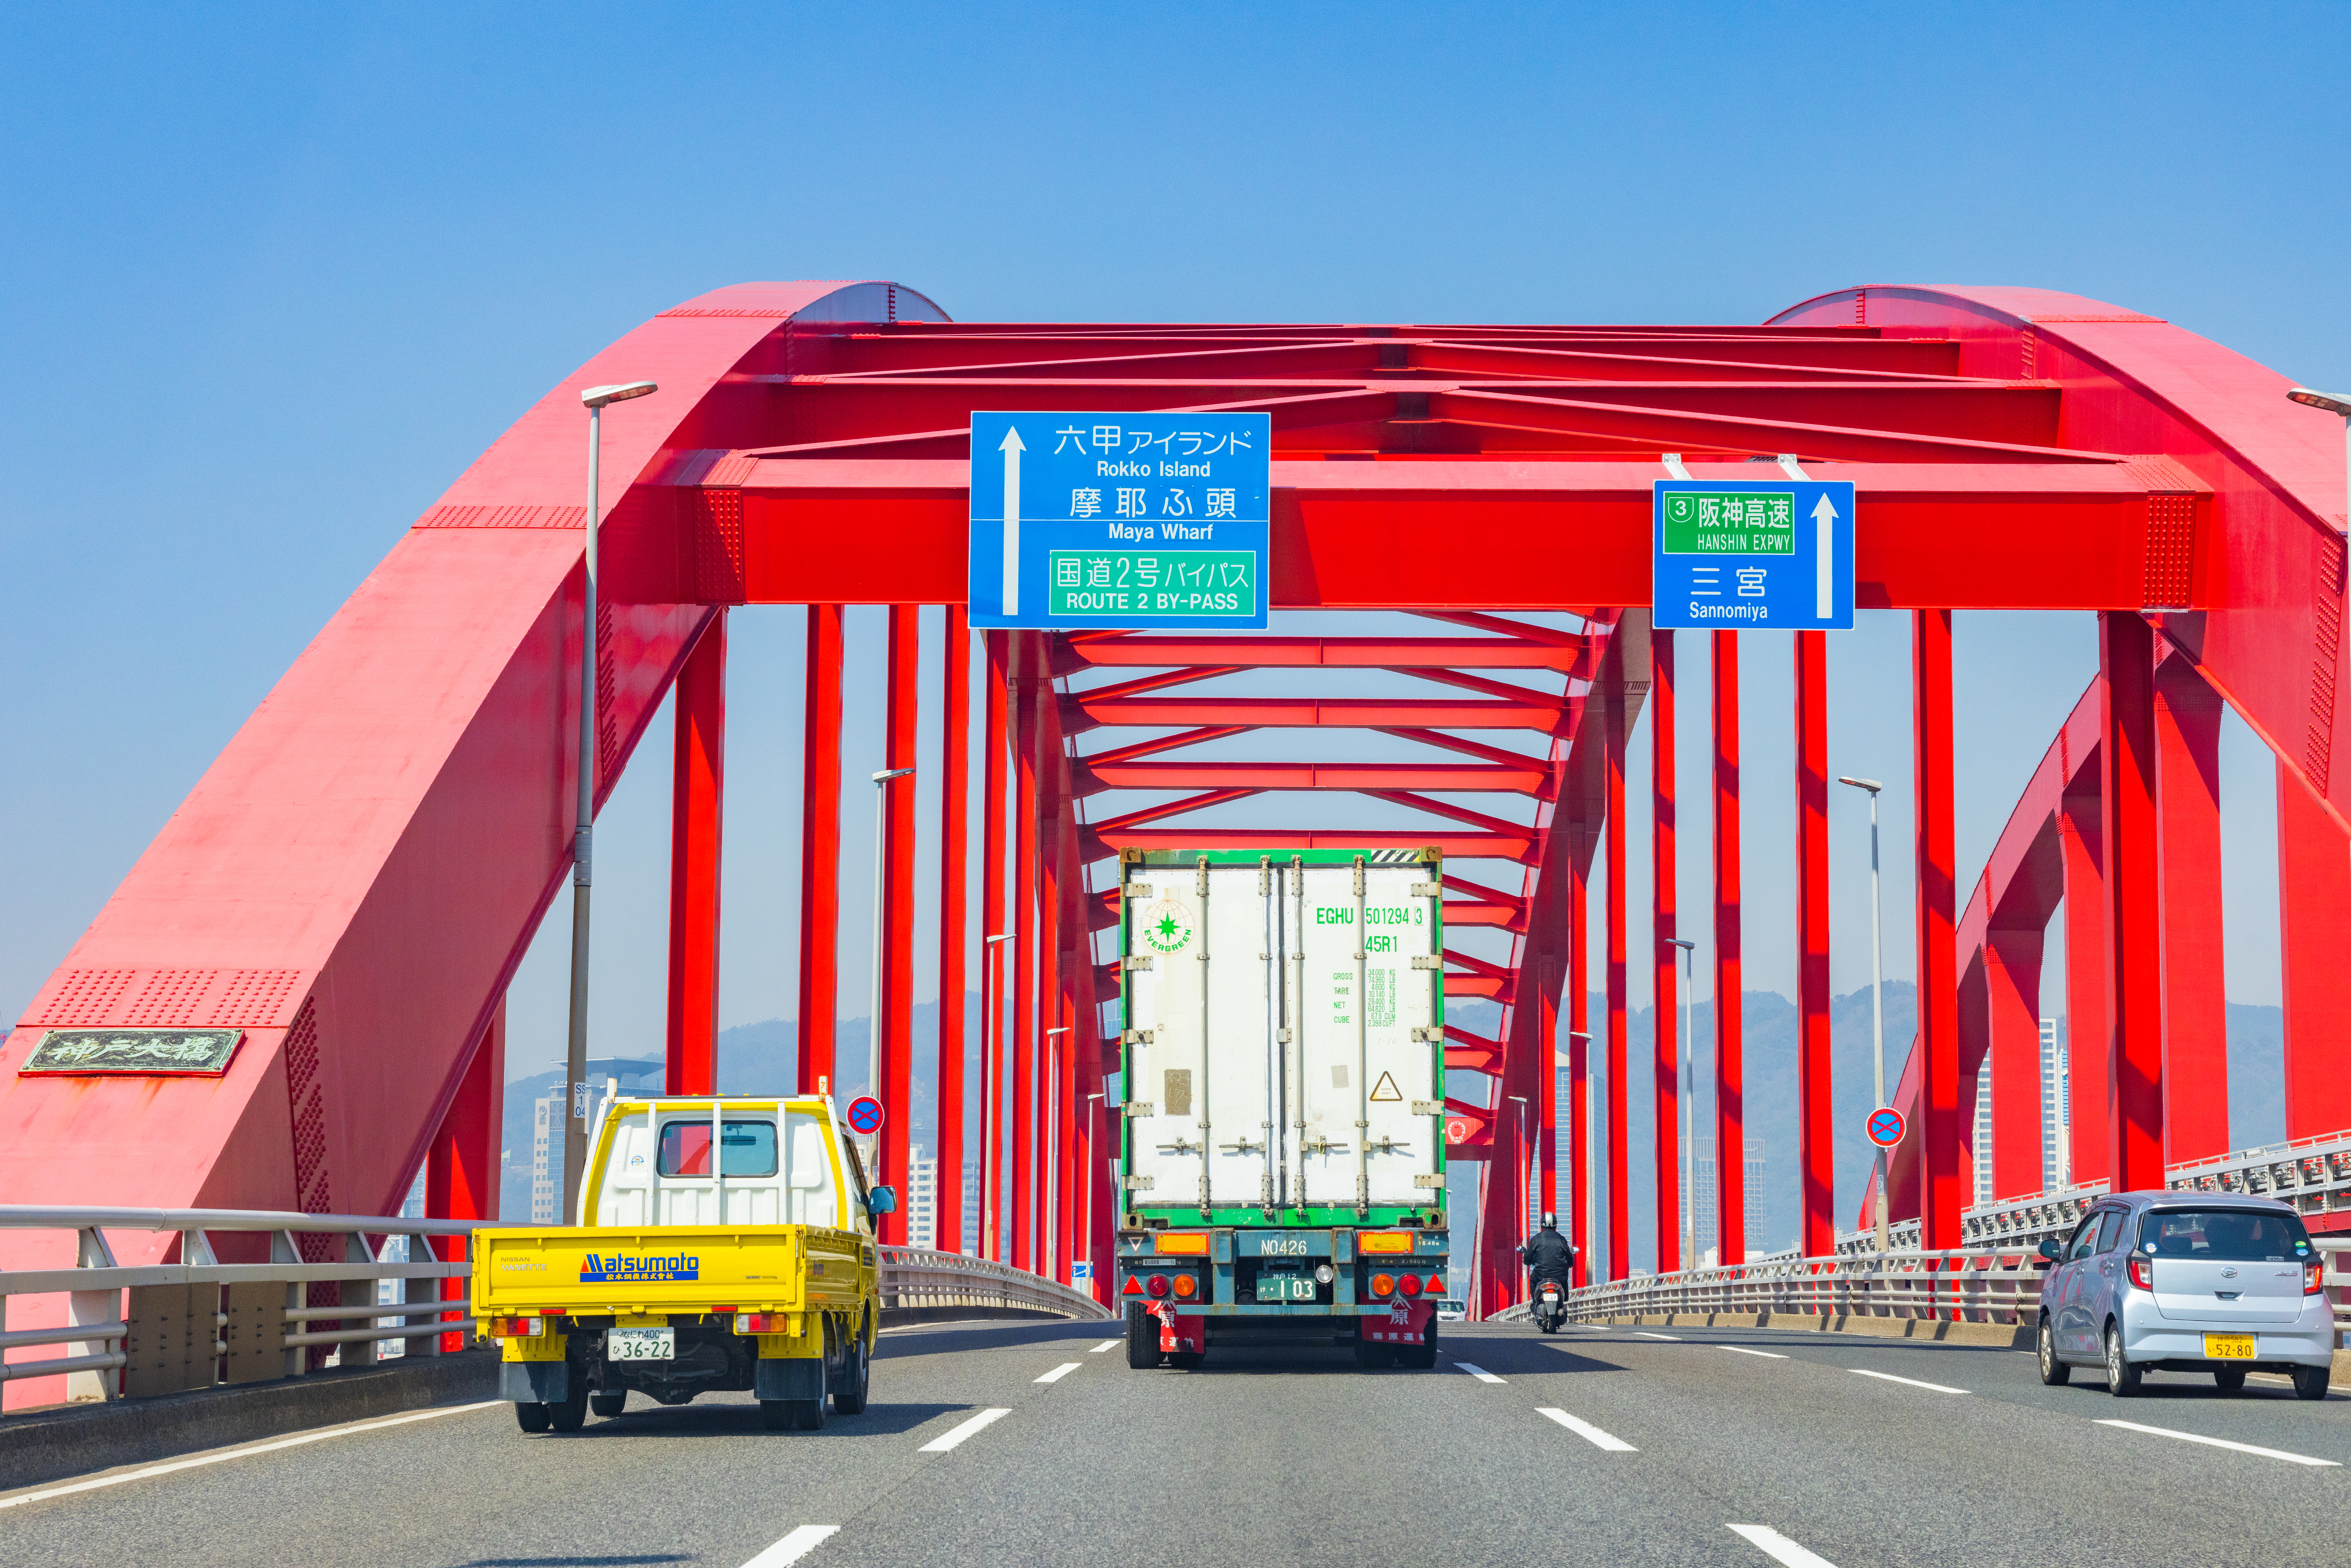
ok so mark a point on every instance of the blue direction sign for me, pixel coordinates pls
(1137, 520)
(1745, 555)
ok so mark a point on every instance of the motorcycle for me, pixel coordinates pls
(1549, 1308)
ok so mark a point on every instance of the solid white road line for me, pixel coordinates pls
(1479, 1373)
(793, 1547)
(1646, 1334)
(1106, 1344)
(945, 1440)
(1059, 1372)
(1780, 1547)
(1889, 1377)
(2224, 1443)
(1587, 1431)
(1742, 1349)
(141, 1475)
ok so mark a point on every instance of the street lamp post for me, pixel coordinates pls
(1690, 1116)
(1590, 1163)
(873, 1023)
(1525, 1172)
(583, 821)
(991, 1090)
(1876, 994)
(1051, 1199)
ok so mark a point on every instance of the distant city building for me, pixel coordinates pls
(971, 1207)
(1710, 1233)
(2056, 1111)
(546, 1115)
(1979, 1152)
(922, 1199)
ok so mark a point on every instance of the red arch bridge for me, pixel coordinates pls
(355, 879)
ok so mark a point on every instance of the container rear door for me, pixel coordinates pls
(1365, 1017)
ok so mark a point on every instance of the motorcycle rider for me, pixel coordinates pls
(1548, 1255)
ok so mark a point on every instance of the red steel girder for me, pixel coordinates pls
(1329, 652)
(1087, 711)
(1452, 845)
(1530, 779)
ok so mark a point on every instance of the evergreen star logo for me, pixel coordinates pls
(1167, 925)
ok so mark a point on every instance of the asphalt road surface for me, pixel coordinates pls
(1034, 1444)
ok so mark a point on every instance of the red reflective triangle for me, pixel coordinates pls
(1133, 1285)
(1437, 1284)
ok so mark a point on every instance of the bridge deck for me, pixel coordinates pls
(1279, 1458)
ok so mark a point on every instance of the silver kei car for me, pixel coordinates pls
(2187, 1281)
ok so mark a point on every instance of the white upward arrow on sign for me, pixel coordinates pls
(1012, 449)
(1825, 516)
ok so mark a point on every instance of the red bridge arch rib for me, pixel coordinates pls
(355, 879)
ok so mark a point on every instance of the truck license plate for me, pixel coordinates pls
(1285, 1288)
(2229, 1346)
(640, 1344)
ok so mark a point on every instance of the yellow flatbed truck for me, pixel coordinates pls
(755, 1271)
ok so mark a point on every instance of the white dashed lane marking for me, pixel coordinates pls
(1059, 1372)
(2224, 1443)
(1587, 1431)
(1769, 1354)
(945, 1440)
(1889, 1377)
(795, 1546)
(1780, 1548)
(1106, 1344)
(1479, 1373)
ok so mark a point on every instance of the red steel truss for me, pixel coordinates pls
(355, 879)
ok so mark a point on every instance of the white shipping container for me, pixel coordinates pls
(1284, 1045)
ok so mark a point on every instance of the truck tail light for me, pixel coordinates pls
(2314, 1276)
(518, 1327)
(2142, 1273)
(759, 1322)
(1158, 1286)
(1409, 1284)
(1133, 1286)
(1185, 1285)
(1437, 1284)
(1382, 1284)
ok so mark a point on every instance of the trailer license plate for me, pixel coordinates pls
(640, 1344)
(2229, 1346)
(1285, 1288)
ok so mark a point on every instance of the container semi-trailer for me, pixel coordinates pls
(1281, 1170)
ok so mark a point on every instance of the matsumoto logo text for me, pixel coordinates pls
(623, 1266)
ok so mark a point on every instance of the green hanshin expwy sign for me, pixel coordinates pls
(1149, 581)
(1742, 523)
(148, 1051)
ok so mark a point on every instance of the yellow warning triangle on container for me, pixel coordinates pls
(1386, 1090)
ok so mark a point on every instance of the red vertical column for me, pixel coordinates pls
(955, 805)
(2011, 1013)
(820, 850)
(1730, 980)
(2313, 912)
(697, 800)
(1024, 963)
(1547, 990)
(2134, 908)
(461, 1164)
(1579, 1051)
(991, 958)
(897, 955)
(2195, 969)
(1619, 1206)
(1942, 1191)
(1815, 1124)
(2083, 841)
(1664, 899)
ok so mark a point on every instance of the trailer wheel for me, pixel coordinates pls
(1422, 1356)
(1369, 1354)
(1141, 1338)
(1186, 1360)
(608, 1403)
(532, 1418)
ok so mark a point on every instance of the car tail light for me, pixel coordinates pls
(759, 1322)
(1158, 1286)
(1409, 1284)
(1133, 1286)
(1382, 1284)
(2142, 1273)
(1437, 1284)
(2314, 1276)
(1185, 1286)
(518, 1327)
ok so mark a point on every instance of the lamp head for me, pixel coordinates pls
(889, 773)
(1000, 936)
(2333, 403)
(621, 392)
(1872, 785)
(1682, 942)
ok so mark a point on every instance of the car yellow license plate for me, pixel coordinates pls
(2229, 1346)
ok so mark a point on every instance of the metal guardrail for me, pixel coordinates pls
(1985, 1285)
(158, 1343)
(913, 1277)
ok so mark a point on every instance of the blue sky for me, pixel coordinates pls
(275, 276)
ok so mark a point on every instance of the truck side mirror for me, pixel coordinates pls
(882, 1200)
(2052, 1250)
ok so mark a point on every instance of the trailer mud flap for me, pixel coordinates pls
(1407, 1324)
(533, 1382)
(1179, 1330)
